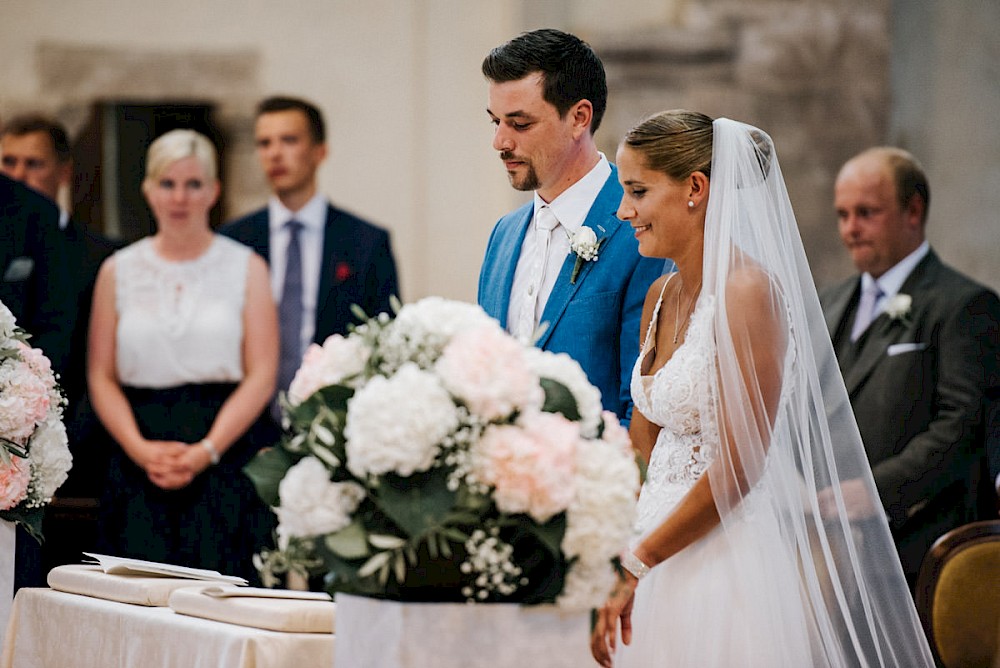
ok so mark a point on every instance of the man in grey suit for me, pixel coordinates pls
(917, 343)
(547, 95)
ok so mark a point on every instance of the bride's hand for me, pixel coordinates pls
(618, 607)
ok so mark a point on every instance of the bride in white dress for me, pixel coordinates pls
(745, 552)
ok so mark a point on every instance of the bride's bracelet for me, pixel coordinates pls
(634, 564)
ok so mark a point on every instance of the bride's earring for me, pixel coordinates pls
(690, 203)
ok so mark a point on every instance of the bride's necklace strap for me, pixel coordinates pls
(679, 326)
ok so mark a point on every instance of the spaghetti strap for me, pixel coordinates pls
(651, 330)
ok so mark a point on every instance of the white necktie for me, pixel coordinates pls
(527, 320)
(866, 309)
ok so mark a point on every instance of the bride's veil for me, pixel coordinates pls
(790, 441)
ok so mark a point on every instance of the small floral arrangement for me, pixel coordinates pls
(585, 245)
(898, 308)
(433, 457)
(34, 452)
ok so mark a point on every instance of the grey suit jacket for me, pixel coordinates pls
(918, 385)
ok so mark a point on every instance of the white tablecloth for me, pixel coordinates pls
(52, 629)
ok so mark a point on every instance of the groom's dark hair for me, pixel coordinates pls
(571, 71)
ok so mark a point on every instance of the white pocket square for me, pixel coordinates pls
(19, 269)
(900, 348)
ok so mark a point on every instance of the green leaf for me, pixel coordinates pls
(351, 542)
(549, 534)
(558, 399)
(266, 470)
(376, 563)
(418, 503)
(386, 542)
(29, 518)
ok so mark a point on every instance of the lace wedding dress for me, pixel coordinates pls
(701, 607)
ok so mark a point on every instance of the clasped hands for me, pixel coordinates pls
(172, 465)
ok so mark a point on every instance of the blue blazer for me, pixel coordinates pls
(358, 267)
(594, 320)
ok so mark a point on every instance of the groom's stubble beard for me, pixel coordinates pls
(525, 183)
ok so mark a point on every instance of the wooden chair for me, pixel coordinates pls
(958, 596)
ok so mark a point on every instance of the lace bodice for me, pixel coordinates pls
(180, 322)
(678, 398)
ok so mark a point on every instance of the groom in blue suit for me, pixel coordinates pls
(547, 95)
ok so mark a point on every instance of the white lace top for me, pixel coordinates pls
(180, 322)
(676, 398)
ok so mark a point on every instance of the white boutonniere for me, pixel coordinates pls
(584, 245)
(898, 308)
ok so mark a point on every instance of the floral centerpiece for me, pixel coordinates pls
(34, 454)
(432, 457)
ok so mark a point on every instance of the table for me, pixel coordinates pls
(53, 629)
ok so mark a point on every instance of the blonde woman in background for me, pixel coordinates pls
(182, 361)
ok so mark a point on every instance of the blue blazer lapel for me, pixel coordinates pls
(602, 220)
(508, 252)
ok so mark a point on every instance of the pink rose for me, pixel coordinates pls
(531, 464)
(14, 479)
(487, 370)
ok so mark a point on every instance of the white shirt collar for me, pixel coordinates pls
(573, 204)
(312, 215)
(892, 281)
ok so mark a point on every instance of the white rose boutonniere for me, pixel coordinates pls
(898, 308)
(585, 245)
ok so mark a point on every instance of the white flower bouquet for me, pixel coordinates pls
(34, 452)
(432, 457)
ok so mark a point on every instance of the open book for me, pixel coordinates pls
(125, 566)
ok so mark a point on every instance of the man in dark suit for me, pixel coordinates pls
(547, 95)
(29, 228)
(29, 233)
(35, 150)
(322, 259)
(917, 343)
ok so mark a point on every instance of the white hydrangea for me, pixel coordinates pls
(7, 323)
(598, 520)
(588, 584)
(397, 424)
(422, 329)
(312, 505)
(51, 459)
(562, 368)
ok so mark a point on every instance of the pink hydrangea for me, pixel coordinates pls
(531, 464)
(487, 370)
(339, 358)
(24, 396)
(39, 364)
(14, 479)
